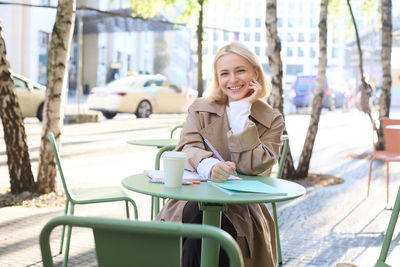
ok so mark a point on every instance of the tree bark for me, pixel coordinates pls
(52, 116)
(18, 160)
(386, 55)
(274, 57)
(199, 32)
(365, 95)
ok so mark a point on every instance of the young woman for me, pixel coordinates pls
(246, 132)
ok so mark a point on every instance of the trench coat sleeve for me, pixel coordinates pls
(256, 149)
(191, 142)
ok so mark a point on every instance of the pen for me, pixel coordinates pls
(214, 150)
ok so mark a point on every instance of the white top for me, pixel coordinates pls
(238, 114)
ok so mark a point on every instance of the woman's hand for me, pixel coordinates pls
(221, 171)
(254, 92)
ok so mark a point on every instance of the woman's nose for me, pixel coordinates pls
(232, 77)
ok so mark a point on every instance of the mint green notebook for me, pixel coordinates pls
(247, 187)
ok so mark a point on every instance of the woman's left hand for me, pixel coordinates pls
(254, 92)
(221, 171)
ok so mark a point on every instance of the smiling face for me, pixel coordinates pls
(234, 74)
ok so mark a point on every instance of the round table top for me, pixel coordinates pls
(154, 142)
(204, 192)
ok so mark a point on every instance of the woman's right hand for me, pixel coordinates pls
(221, 171)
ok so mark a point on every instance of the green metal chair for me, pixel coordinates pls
(389, 233)
(138, 243)
(285, 139)
(86, 196)
(174, 129)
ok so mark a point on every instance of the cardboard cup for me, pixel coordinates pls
(174, 163)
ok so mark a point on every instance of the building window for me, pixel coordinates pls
(257, 36)
(258, 22)
(247, 37)
(226, 36)
(236, 36)
(215, 49)
(257, 50)
(43, 46)
(313, 37)
(293, 69)
(247, 22)
(129, 62)
(289, 52)
(280, 22)
(312, 52)
(301, 37)
(290, 22)
(300, 52)
(215, 36)
(335, 52)
(266, 51)
(290, 37)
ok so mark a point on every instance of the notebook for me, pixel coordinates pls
(247, 187)
(187, 175)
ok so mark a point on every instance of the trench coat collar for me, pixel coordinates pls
(260, 111)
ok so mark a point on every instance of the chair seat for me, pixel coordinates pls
(387, 156)
(97, 194)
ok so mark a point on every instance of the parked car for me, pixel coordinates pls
(335, 94)
(141, 95)
(30, 96)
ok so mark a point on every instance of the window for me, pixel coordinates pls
(247, 23)
(226, 36)
(290, 22)
(289, 52)
(301, 37)
(290, 37)
(215, 49)
(205, 51)
(247, 37)
(313, 37)
(312, 52)
(300, 52)
(236, 36)
(20, 83)
(266, 51)
(257, 50)
(258, 22)
(280, 22)
(257, 36)
(215, 36)
(335, 52)
(293, 69)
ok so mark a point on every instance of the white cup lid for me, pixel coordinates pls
(174, 155)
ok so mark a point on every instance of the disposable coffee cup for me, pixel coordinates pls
(174, 163)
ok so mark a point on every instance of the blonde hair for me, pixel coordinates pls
(214, 93)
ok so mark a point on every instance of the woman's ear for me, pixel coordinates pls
(256, 72)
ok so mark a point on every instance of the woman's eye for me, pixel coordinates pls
(223, 74)
(241, 70)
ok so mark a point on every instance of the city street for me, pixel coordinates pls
(326, 226)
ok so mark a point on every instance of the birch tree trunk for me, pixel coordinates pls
(386, 54)
(19, 163)
(289, 171)
(199, 32)
(57, 67)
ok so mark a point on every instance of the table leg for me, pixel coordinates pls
(210, 249)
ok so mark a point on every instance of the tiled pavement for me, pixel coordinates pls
(326, 226)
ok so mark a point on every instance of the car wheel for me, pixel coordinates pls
(39, 113)
(144, 109)
(109, 114)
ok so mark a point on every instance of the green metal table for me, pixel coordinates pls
(212, 201)
(163, 145)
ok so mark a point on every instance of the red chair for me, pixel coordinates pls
(391, 152)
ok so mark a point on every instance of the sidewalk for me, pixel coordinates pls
(326, 226)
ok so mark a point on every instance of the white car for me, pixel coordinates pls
(141, 95)
(30, 96)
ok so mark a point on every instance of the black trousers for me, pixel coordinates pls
(191, 250)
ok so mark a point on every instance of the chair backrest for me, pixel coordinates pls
(392, 140)
(389, 232)
(139, 243)
(50, 135)
(285, 139)
(174, 129)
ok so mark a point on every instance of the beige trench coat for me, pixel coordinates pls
(254, 151)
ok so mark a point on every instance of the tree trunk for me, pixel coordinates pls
(19, 163)
(274, 57)
(365, 95)
(386, 54)
(52, 116)
(199, 32)
(289, 171)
